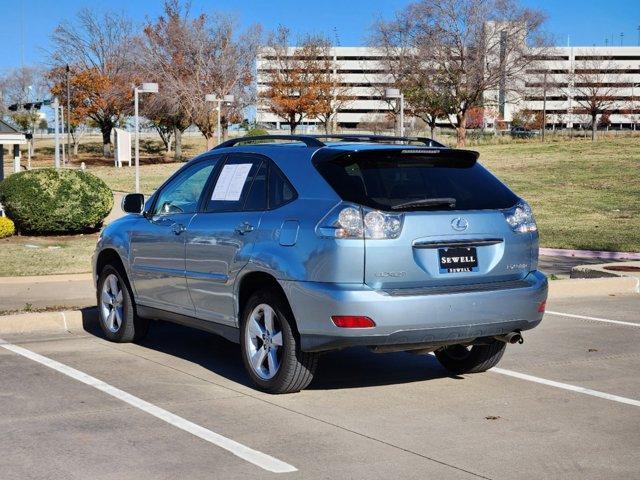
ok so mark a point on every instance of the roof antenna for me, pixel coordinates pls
(335, 35)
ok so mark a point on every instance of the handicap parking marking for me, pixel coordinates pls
(262, 460)
(594, 319)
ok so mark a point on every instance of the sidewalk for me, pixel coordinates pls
(70, 291)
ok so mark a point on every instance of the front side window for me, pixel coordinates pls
(182, 194)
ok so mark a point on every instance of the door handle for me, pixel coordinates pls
(244, 227)
(178, 228)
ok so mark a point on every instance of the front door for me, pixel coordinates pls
(158, 242)
(220, 239)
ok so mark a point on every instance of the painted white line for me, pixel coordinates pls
(566, 386)
(595, 319)
(259, 459)
(64, 320)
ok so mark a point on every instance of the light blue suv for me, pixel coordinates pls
(296, 245)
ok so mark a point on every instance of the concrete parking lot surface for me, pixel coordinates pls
(365, 416)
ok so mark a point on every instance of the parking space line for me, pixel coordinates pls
(595, 319)
(262, 460)
(566, 386)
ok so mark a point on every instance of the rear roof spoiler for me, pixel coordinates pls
(462, 158)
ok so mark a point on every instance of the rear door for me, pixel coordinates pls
(454, 231)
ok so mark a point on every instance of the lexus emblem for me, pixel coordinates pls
(459, 224)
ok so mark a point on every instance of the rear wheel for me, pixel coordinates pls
(270, 347)
(460, 359)
(117, 312)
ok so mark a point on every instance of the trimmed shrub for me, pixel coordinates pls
(55, 201)
(7, 228)
(256, 131)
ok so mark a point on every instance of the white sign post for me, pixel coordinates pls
(123, 147)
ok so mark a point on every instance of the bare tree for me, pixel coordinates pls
(297, 83)
(23, 88)
(222, 63)
(164, 53)
(376, 123)
(592, 87)
(470, 46)
(333, 94)
(100, 49)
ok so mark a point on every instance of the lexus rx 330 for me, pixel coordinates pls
(296, 248)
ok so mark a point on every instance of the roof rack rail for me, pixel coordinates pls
(356, 137)
(308, 140)
(315, 140)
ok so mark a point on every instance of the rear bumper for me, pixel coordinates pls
(426, 317)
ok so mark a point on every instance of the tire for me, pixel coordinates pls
(460, 359)
(271, 348)
(114, 295)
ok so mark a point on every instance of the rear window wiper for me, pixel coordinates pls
(427, 202)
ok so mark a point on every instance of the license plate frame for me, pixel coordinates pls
(452, 260)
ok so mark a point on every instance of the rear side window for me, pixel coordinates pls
(396, 182)
(280, 190)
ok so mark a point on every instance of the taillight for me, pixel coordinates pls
(520, 218)
(542, 306)
(353, 221)
(352, 321)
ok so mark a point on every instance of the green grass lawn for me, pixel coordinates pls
(584, 195)
(23, 255)
(123, 179)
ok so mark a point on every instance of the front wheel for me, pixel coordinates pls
(461, 359)
(117, 312)
(270, 347)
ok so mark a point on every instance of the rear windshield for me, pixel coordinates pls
(399, 182)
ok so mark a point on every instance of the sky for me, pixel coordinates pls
(27, 25)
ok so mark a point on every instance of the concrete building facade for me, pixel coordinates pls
(558, 81)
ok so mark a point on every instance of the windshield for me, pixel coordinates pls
(393, 181)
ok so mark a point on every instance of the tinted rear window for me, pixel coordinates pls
(385, 181)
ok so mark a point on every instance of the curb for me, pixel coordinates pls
(561, 252)
(603, 270)
(71, 321)
(585, 287)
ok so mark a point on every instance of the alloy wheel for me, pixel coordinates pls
(263, 338)
(111, 300)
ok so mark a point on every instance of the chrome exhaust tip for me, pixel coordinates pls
(511, 337)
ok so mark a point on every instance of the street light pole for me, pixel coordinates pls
(137, 137)
(401, 115)
(228, 99)
(64, 159)
(144, 88)
(68, 114)
(395, 93)
(55, 104)
(219, 123)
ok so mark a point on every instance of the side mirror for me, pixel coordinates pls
(133, 203)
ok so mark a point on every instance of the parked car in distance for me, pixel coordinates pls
(523, 132)
(326, 242)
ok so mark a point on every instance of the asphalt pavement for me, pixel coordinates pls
(565, 404)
